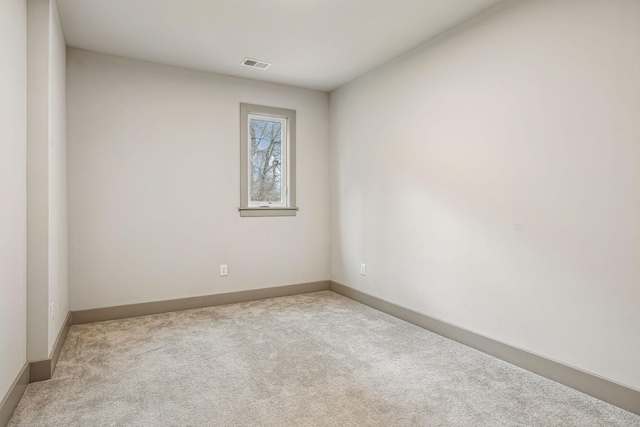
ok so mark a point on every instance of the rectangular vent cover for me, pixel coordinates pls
(255, 63)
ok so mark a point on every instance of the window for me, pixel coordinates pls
(267, 161)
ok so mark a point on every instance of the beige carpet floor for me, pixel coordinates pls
(308, 360)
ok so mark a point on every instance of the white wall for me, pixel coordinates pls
(491, 179)
(13, 187)
(46, 179)
(37, 179)
(58, 250)
(153, 157)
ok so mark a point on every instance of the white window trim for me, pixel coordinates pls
(288, 207)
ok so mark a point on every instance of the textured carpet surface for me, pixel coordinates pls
(308, 360)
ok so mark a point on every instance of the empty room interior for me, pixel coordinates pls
(319, 213)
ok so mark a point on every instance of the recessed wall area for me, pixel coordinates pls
(47, 267)
(154, 185)
(490, 179)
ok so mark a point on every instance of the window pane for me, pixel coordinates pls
(265, 160)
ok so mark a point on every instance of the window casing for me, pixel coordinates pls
(267, 161)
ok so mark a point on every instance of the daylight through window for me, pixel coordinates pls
(267, 138)
(267, 160)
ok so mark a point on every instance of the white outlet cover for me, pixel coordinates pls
(363, 269)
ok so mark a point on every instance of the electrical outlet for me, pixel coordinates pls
(51, 312)
(363, 269)
(223, 269)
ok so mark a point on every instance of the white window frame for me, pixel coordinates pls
(287, 206)
(284, 168)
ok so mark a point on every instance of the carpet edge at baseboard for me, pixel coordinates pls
(13, 395)
(601, 388)
(157, 307)
(57, 346)
(41, 370)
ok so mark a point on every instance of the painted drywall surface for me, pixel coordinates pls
(47, 276)
(153, 162)
(13, 187)
(491, 179)
(38, 179)
(58, 248)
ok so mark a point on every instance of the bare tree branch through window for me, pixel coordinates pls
(265, 157)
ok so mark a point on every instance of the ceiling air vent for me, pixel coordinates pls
(254, 63)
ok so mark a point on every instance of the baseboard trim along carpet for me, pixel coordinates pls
(611, 392)
(42, 370)
(158, 307)
(15, 392)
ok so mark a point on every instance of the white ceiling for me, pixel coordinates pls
(317, 44)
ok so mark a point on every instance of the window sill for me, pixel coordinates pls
(248, 212)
